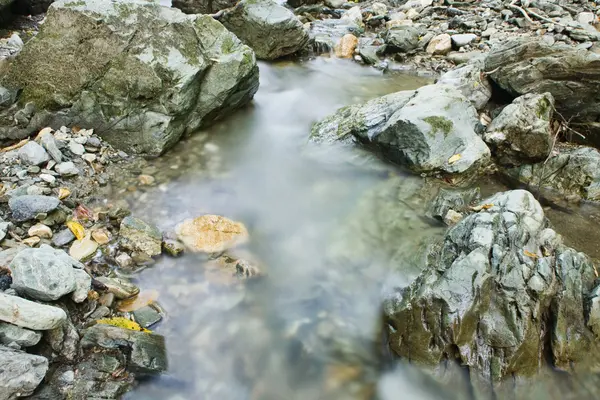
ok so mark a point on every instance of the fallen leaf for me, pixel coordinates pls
(530, 254)
(81, 212)
(77, 229)
(63, 193)
(121, 322)
(486, 206)
(141, 300)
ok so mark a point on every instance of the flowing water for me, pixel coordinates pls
(333, 237)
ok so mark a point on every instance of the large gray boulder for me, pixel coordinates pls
(20, 373)
(570, 74)
(43, 273)
(270, 29)
(499, 294)
(202, 6)
(431, 129)
(470, 81)
(145, 77)
(573, 172)
(522, 132)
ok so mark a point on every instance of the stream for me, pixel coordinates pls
(332, 235)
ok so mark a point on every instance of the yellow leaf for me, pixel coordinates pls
(63, 193)
(77, 229)
(530, 254)
(482, 207)
(454, 158)
(121, 322)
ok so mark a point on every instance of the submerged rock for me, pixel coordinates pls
(151, 73)
(488, 292)
(43, 273)
(522, 132)
(211, 233)
(571, 75)
(137, 235)
(147, 351)
(574, 171)
(27, 314)
(20, 373)
(431, 129)
(270, 29)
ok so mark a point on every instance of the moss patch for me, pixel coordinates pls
(439, 124)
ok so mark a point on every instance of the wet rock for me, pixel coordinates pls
(174, 248)
(522, 132)
(49, 143)
(33, 154)
(353, 14)
(470, 81)
(146, 316)
(270, 29)
(452, 199)
(463, 39)
(572, 76)
(211, 233)
(28, 206)
(202, 6)
(402, 39)
(574, 171)
(27, 314)
(67, 169)
(20, 373)
(345, 48)
(148, 354)
(324, 35)
(83, 283)
(119, 287)
(12, 335)
(137, 235)
(440, 45)
(43, 273)
(486, 293)
(83, 249)
(180, 85)
(431, 129)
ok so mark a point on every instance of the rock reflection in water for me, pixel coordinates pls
(327, 238)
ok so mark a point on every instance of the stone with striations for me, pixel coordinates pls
(12, 335)
(28, 206)
(20, 373)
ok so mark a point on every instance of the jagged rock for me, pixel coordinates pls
(147, 356)
(441, 44)
(574, 171)
(12, 335)
(83, 283)
(456, 200)
(49, 143)
(522, 132)
(470, 81)
(33, 154)
(20, 373)
(27, 314)
(402, 39)
(139, 87)
(324, 35)
(137, 235)
(431, 129)
(270, 29)
(28, 206)
(64, 340)
(487, 293)
(571, 75)
(43, 273)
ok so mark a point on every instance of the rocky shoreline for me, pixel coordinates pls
(102, 85)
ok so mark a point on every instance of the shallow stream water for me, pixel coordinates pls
(332, 238)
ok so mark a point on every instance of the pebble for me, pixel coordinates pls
(31, 241)
(146, 180)
(47, 178)
(76, 148)
(124, 260)
(33, 154)
(462, 40)
(89, 157)
(101, 236)
(28, 314)
(41, 231)
(83, 249)
(63, 238)
(67, 169)
(121, 288)
(441, 44)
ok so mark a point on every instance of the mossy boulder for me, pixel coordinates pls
(430, 130)
(141, 74)
(270, 29)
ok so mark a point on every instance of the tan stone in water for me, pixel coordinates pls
(211, 233)
(345, 48)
